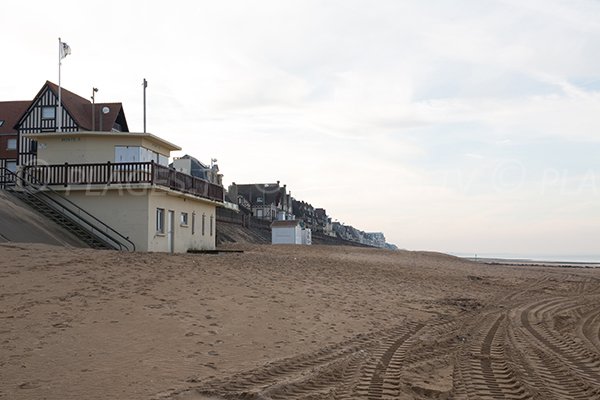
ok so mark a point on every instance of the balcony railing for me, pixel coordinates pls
(125, 173)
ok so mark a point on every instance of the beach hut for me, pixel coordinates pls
(286, 232)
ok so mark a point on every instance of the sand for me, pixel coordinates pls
(285, 322)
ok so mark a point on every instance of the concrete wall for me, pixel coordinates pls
(84, 148)
(185, 237)
(123, 211)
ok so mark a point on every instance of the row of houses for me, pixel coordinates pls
(83, 154)
(273, 202)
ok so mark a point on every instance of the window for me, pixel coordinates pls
(203, 223)
(124, 154)
(48, 112)
(1, 122)
(211, 225)
(163, 160)
(11, 144)
(193, 223)
(160, 220)
(11, 166)
(184, 219)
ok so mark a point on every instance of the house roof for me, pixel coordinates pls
(285, 224)
(80, 110)
(271, 193)
(10, 112)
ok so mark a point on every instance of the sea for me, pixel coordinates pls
(553, 258)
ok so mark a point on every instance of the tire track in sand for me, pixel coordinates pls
(331, 372)
(482, 370)
(589, 329)
(566, 368)
(381, 373)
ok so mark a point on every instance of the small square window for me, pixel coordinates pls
(184, 219)
(11, 144)
(160, 220)
(48, 112)
(11, 166)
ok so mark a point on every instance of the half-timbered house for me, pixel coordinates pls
(78, 114)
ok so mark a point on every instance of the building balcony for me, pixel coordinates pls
(134, 173)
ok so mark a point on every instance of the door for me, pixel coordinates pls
(171, 231)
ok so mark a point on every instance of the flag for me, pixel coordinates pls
(65, 50)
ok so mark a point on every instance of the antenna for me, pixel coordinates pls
(105, 110)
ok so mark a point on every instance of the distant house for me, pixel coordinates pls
(346, 232)
(268, 201)
(323, 222)
(290, 232)
(192, 166)
(305, 212)
(10, 112)
(376, 239)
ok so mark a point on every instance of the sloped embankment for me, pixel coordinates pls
(19, 223)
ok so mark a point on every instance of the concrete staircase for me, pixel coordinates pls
(60, 219)
(61, 210)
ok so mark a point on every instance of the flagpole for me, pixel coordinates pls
(145, 84)
(59, 117)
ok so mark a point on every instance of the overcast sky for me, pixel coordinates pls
(458, 126)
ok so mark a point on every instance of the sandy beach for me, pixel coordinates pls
(290, 322)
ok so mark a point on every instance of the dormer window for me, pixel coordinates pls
(48, 112)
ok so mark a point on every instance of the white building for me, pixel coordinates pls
(306, 236)
(290, 232)
(123, 179)
(286, 232)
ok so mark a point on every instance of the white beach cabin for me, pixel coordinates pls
(290, 232)
(286, 232)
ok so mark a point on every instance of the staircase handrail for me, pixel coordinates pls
(26, 184)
